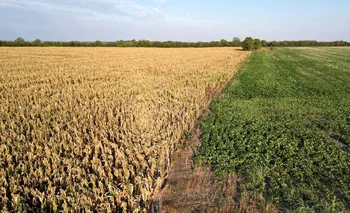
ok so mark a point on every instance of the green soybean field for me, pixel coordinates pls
(283, 124)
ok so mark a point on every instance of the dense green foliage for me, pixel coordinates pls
(284, 125)
(248, 44)
(236, 42)
(252, 44)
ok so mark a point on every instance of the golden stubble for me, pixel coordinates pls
(95, 128)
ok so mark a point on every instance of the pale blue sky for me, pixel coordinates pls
(185, 20)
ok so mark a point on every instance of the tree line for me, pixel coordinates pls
(255, 44)
(248, 44)
(20, 42)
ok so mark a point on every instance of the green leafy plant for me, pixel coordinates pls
(283, 125)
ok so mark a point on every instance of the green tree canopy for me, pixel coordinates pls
(224, 43)
(19, 41)
(98, 43)
(36, 42)
(236, 42)
(248, 43)
(257, 44)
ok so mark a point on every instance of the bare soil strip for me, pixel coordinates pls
(195, 188)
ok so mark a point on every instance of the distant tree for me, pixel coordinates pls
(109, 44)
(263, 43)
(236, 42)
(98, 43)
(251, 44)
(213, 44)
(19, 41)
(5, 43)
(72, 44)
(128, 44)
(133, 43)
(340, 43)
(291, 44)
(257, 44)
(274, 44)
(36, 42)
(224, 43)
(285, 44)
(120, 43)
(313, 43)
(248, 44)
(146, 43)
(304, 43)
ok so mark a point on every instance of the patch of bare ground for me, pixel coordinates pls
(192, 187)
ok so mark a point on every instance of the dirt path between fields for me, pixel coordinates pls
(195, 188)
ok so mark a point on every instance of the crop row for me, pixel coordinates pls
(94, 129)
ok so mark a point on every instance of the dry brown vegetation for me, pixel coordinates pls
(94, 128)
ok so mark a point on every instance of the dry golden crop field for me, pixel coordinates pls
(94, 128)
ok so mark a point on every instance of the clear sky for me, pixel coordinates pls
(184, 20)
